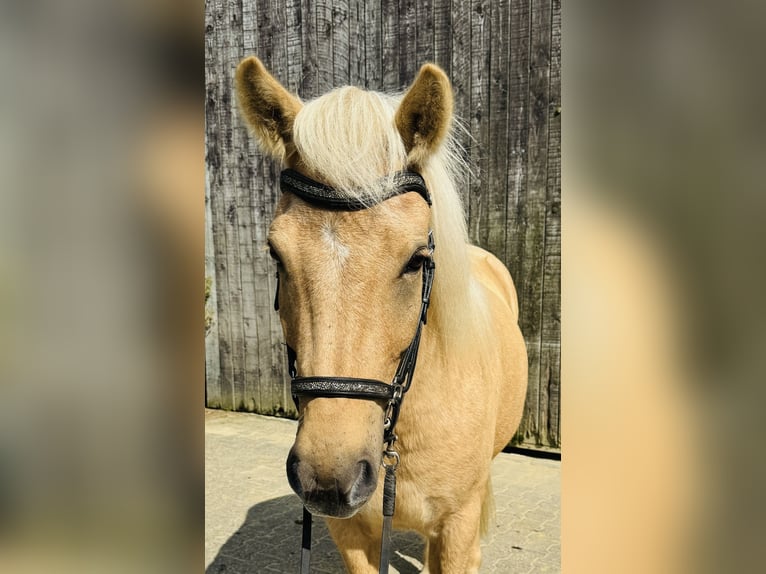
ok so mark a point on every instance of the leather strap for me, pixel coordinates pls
(389, 505)
(342, 387)
(306, 542)
(330, 198)
(406, 370)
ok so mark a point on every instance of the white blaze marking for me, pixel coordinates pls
(339, 251)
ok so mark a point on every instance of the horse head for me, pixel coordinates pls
(350, 281)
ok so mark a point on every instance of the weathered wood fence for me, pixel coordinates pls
(504, 60)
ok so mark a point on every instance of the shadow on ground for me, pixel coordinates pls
(270, 538)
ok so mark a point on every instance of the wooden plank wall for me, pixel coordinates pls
(504, 60)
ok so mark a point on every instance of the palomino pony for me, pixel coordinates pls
(369, 187)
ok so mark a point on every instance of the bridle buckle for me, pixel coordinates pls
(393, 456)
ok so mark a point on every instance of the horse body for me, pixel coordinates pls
(349, 304)
(467, 414)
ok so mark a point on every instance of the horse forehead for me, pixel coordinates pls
(338, 249)
(397, 217)
(327, 243)
(351, 236)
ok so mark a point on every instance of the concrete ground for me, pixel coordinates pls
(252, 517)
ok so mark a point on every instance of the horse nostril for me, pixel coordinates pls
(365, 483)
(293, 462)
(366, 475)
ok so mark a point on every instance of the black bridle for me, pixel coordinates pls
(369, 389)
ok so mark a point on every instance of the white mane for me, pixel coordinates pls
(349, 137)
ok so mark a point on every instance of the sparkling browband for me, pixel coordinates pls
(328, 197)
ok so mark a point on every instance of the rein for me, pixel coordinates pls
(367, 389)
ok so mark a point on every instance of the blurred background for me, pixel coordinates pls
(663, 322)
(102, 287)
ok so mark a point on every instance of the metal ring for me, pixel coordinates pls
(390, 454)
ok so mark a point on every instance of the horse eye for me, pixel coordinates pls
(274, 255)
(415, 263)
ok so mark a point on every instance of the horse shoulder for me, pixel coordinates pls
(509, 359)
(493, 275)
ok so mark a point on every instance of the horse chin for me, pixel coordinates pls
(331, 509)
(332, 503)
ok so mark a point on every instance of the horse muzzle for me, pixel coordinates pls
(337, 494)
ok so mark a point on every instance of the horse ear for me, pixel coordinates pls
(425, 113)
(266, 105)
